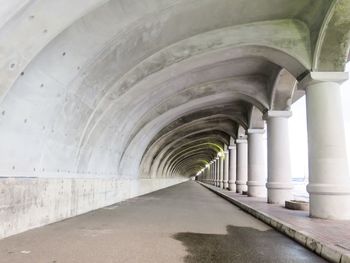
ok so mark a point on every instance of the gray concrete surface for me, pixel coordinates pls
(183, 223)
(327, 238)
(27, 203)
(121, 90)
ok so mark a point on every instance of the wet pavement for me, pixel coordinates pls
(183, 223)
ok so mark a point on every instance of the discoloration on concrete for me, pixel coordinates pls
(171, 225)
(26, 203)
(105, 90)
(327, 250)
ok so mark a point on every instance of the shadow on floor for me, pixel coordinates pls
(244, 244)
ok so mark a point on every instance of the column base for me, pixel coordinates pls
(256, 189)
(240, 187)
(279, 196)
(232, 186)
(278, 193)
(225, 185)
(329, 201)
(336, 207)
(221, 185)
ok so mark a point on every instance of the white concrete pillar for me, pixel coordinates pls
(226, 168)
(221, 159)
(214, 174)
(211, 172)
(212, 167)
(232, 168)
(329, 181)
(242, 169)
(256, 163)
(217, 171)
(206, 172)
(279, 180)
(208, 175)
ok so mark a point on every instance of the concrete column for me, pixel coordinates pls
(221, 159)
(279, 181)
(210, 173)
(212, 167)
(206, 172)
(232, 168)
(242, 169)
(214, 172)
(226, 168)
(329, 181)
(217, 171)
(256, 163)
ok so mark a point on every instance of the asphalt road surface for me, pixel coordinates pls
(183, 223)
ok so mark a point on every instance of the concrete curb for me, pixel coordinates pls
(326, 251)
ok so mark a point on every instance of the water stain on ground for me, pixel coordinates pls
(244, 244)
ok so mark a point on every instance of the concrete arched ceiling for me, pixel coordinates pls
(218, 127)
(333, 44)
(106, 88)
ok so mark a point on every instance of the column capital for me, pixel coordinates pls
(217, 158)
(319, 77)
(256, 131)
(232, 147)
(241, 141)
(277, 114)
(225, 152)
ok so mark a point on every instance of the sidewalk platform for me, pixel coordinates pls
(328, 238)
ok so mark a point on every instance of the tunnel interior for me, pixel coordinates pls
(99, 96)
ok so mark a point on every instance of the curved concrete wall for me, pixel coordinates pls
(124, 89)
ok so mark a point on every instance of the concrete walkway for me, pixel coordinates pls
(328, 238)
(184, 223)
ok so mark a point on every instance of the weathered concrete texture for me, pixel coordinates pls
(93, 88)
(27, 203)
(322, 237)
(87, 91)
(184, 223)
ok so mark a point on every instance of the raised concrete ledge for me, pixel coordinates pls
(329, 250)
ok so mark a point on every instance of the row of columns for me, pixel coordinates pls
(242, 167)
